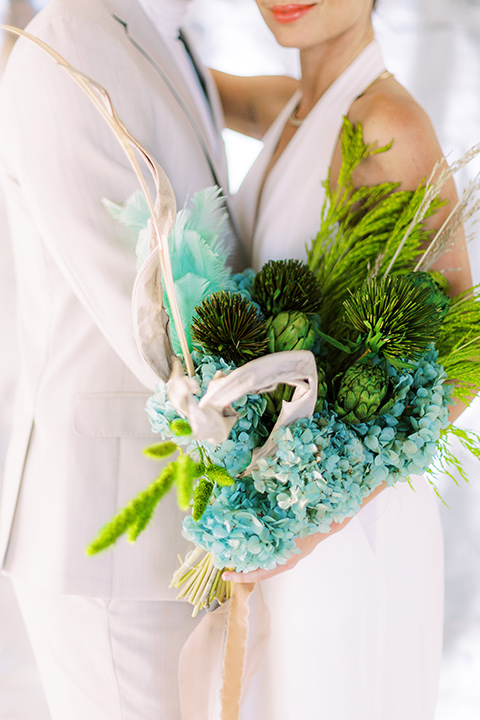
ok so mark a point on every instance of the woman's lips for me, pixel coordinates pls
(289, 13)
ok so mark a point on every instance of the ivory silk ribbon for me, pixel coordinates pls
(213, 417)
(205, 692)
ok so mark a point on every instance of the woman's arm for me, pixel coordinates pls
(251, 104)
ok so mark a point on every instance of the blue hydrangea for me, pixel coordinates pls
(243, 283)
(249, 432)
(322, 468)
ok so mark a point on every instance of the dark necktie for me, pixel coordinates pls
(198, 71)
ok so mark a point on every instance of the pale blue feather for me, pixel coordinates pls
(197, 249)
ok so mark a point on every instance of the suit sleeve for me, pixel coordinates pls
(69, 159)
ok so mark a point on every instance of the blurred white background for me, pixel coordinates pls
(433, 47)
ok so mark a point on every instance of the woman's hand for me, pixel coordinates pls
(306, 545)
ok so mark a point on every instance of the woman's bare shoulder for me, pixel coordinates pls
(392, 115)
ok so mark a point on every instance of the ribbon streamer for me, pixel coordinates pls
(235, 649)
(206, 693)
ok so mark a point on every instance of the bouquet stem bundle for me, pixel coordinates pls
(200, 581)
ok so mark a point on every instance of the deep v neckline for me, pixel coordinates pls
(275, 129)
(280, 221)
(275, 133)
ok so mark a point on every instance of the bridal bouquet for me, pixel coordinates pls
(313, 383)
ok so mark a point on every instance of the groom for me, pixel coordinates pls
(106, 631)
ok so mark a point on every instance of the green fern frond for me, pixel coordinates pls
(447, 461)
(362, 229)
(458, 344)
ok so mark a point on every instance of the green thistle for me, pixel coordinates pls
(286, 285)
(229, 325)
(393, 318)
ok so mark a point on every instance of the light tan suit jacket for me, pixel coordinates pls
(80, 426)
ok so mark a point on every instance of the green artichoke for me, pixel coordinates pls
(290, 331)
(362, 390)
(285, 392)
(440, 281)
(322, 389)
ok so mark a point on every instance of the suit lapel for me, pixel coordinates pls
(143, 35)
(213, 98)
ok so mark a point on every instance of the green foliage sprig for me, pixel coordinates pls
(181, 473)
(458, 344)
(136, 515)
(448, 461)
(201, 498)
(361, 229)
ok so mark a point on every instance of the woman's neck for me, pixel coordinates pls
(322, 64)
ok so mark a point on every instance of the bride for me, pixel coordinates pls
(356, 622)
